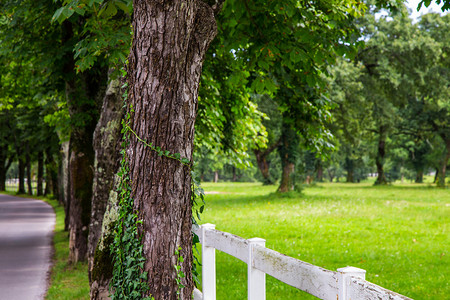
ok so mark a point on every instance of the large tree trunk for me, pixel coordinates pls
(21, 189)
(350, 168)
(419, 176)
(4, 166)
(169, 45)
(216, 176)
(288, 150)
(2, 178)
(63, 182)
(286, 184)
(379, 161)
(3, 171)
(263, 163)
(48, 182)
(40, 174)
(444, 163)
(235, 177)
(80, 194)
(29, 182)
(107, 142)
(319, 171)
(84, 92)
(51, 171)
(81, 97)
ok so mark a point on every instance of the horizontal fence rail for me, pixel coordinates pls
(347, 283)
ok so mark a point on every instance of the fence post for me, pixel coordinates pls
(256, 278)
(344, 276)
(208, 266)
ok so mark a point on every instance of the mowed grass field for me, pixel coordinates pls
(398, 234)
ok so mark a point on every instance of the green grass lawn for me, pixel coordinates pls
(398, 234)
(68, 281)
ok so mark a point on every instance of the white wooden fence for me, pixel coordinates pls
(346, 283)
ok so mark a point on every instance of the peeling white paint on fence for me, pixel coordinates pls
(364, 290)
(347, 283)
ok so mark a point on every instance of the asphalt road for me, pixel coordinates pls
(26, 230)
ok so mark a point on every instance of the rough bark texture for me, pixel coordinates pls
(379, 161)
(82, 94)
(80, 194)
(63, 183)
(102, 268)
(107, 142)
(169, 44)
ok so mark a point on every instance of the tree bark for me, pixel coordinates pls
(81, 98)
(235, 178)
(48, 182)
(4, 166)
(84, 92)
(381, 179)
(444, 163)
(216, 176)
(40, 174)
(263, 163)
(51, 173)
(349, 166)
(319, 171)
(286, 182)
(21, 189)
(107, 142)
(2, 178)
(29, 182)
(436, 176)
(419, 176)
(63, 183)
(169, 45)
(288, 150)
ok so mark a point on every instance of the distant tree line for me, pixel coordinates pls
(390, 112)
(299, 90)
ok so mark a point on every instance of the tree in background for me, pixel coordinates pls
(434, 93)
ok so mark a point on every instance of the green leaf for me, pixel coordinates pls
(123, 6)
(57, 15)
(295, 56)
(263, 65)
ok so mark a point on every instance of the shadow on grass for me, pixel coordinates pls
(220, 201)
